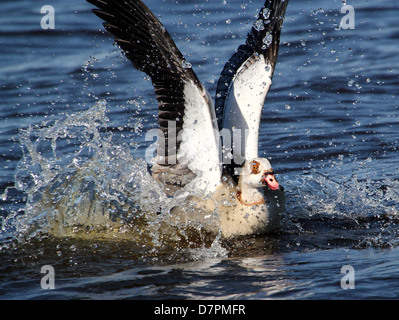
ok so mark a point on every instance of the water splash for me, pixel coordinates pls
(356, 205)
(80, 183)
(353, 198)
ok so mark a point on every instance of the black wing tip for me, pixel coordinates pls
(264, 36)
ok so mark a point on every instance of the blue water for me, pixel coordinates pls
(73, 119)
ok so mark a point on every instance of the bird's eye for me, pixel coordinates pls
(255, 167)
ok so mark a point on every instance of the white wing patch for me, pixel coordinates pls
(200, 146)
(244, 104)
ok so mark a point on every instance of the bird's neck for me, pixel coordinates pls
(250, 196)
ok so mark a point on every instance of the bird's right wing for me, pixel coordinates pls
(244, 84)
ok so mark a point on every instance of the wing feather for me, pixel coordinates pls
(188, 146)
(244, 84)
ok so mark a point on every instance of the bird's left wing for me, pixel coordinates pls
(188, 148)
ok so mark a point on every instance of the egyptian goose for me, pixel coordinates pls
(208, 153)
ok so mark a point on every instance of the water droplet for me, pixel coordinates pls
(186, 64)
(228, 21)
(267, 40)
(266, 13)
(258, 25)
(320, 10)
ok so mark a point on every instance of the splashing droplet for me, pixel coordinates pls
(266, 13)
(267, 40)
(258, 25)
(186, 64)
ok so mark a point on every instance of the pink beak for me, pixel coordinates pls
(269, 180)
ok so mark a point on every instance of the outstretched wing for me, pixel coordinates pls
(188, 146)
(244, 84)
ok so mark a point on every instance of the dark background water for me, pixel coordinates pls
(329, 126)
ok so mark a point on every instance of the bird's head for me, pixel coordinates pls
(258, 173)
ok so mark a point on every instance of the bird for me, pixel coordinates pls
(207, 153)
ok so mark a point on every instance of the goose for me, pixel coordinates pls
(207, 153)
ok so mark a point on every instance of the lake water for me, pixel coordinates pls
(73, 121)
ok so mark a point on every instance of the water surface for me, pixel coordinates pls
(74, 115)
